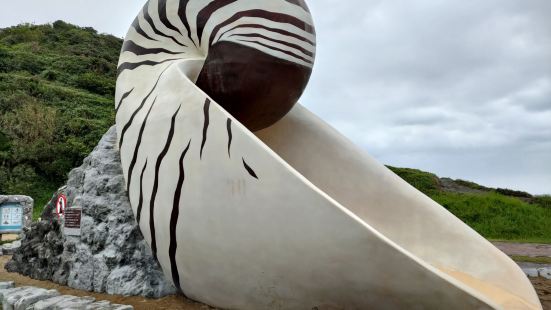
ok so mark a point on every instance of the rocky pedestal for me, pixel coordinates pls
(111, 255)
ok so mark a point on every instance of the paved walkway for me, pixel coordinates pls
(524, 249)
(25, 297)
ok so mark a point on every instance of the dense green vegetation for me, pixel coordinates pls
(498, 214)
(56, 100)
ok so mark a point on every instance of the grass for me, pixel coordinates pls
(496, 214)
(529, 259)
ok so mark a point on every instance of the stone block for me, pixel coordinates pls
(7, 285)
(545, 272)
(35, 296)
(50, 303)
(76, 303)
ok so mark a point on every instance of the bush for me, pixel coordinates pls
(49, 75)
(472, 185)
(542, 201)
(4, 143)
(423, 181)
(513, 193)
(95, 84)
(29, 123)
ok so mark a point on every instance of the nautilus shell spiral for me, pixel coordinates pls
(249, 201)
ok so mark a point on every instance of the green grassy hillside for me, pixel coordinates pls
(498, 214)
(56, 100)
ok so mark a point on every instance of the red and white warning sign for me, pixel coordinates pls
(61, 205)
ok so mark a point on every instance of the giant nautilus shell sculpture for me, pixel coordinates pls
(249, 201)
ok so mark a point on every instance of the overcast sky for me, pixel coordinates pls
(459, 88)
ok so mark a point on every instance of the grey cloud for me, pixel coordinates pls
(458, 88)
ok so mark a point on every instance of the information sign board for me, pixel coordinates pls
(73, 218)
(11, 218)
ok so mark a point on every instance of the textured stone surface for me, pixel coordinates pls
(10, 296)
(110, 256)
(545, 273)
(121, 307)
(51, 303)
(7, 285)
(531, 272)
(99, 305)
(10, 248)
(39, 256)
(33, 298)
(75, 303)
(23, 297)
(6, 292)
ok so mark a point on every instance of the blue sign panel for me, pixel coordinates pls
(11, 218)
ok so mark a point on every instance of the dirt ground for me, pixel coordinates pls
(9, 237)
(543, 287)
(524, 249)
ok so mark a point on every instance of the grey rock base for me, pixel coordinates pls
(111, 255)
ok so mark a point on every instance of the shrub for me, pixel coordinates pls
(542, 201)
(4, 142)
(30, 124)
(49, 75)
(513, 193)
(423, 181)
(95, 83)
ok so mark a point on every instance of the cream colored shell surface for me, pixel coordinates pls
(294, 217)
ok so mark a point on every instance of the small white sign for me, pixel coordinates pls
(61, 205)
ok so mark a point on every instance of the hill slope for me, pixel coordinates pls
(56, 100)
(499, 214)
